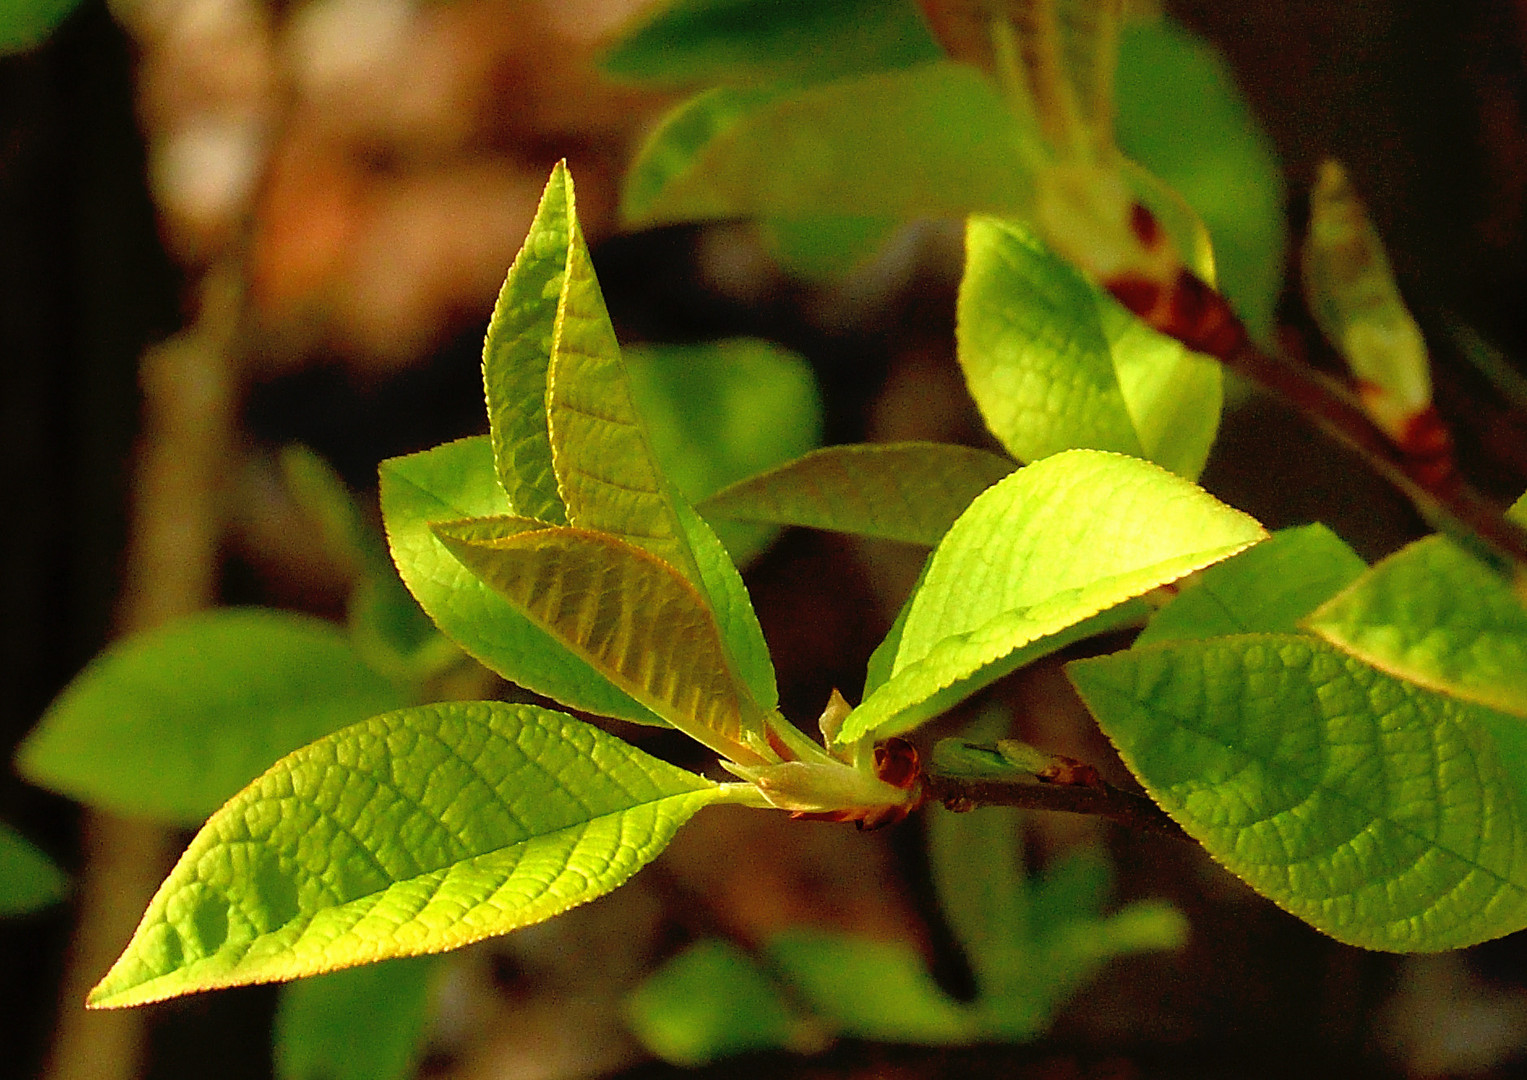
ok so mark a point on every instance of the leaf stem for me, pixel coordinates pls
(964, 776)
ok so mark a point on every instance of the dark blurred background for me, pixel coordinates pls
(369, 167)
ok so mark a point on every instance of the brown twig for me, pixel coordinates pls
(1069, 787)
(1436, 488)
(1423, 471)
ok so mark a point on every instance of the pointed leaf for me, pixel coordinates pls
(362, 1023)
(607, 475)
(929, 141)
(452, 483)
(1269, 588)
(1385, 815)
(627, 614)
(202, 705)
(748, 41)
(720, 411)
(1055, 544)
(1433, 615)
(517, 353)
(896, 491)
(28, 878)
(712, 1001)
(411, 833)
(1054, 363)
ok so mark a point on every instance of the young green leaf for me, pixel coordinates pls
(930, 141)
(1055, 544)
(28, 878)
(1180, 114)
(410, 833)
(627, 614)
(455, 482)
(720, 411)
(750, 41)
(1269, 588)
(1383, 814)
(1054, 363)
(517, 353)
(362, 1023)
(1431, 614)
(202, 705)
(712, 1001)
(896, 491)
(606, 473)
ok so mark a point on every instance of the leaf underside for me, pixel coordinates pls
(895, 491)
(629, 615)
(455, 482)
(411, 833)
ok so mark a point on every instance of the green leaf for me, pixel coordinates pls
(825, 249)
(1518, 511)
(28, 878)
(1013, 925)
(896, 491)
(517, 353)
(25, 24)
(709, 1002)
(1433, 615)
(749, 41)
(202, 705)
(976, 863)
(411, 833)
(935, 140)
(388, 630)
(1269, 588)
(1054, 363)
(1055, 544)
(732, 609)
(452, 483)
(1383, 814)
(718, 412)
(626, 613)
(363, 1023)
(877, 990)
(606, 472)
(1180, 114)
